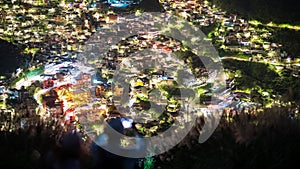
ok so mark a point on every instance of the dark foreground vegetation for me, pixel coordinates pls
(270, 139)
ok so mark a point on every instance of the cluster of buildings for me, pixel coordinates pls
(79, 88)
(23, 111)
(235, 35)
(50, 29)
(67, 88)
(194, 11)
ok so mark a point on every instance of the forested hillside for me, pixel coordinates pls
(279, 11)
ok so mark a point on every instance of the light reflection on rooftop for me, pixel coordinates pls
(122, 3)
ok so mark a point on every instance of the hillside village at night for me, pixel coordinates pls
(60, 87)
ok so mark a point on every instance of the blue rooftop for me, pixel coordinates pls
(120, 3)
